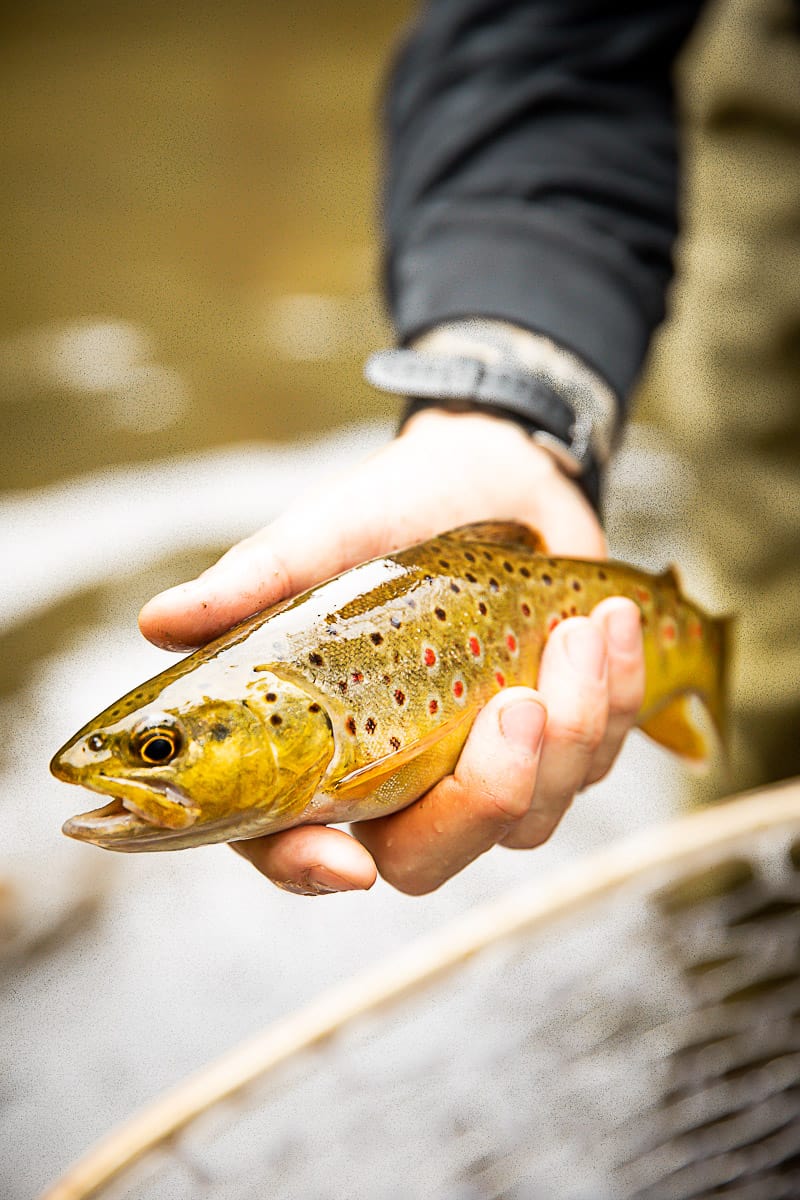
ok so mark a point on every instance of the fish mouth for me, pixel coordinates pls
(112, 820)
(122, 823)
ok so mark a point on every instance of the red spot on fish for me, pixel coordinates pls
(526, 610)
(642, 595)
(429, 656)
(500, 677)
(475, 646)
(433, 706)
(668, 631)
(511, 642)
(357, 677)
(695, 629)
(551, 624)
(458, 689)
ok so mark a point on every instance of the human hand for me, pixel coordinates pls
(528, 752)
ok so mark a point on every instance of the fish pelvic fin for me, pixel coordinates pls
(507, 533)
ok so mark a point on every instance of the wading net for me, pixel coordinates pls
(629, 1030)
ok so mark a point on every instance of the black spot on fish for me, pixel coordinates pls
(524, 572)
(313, 708)
(350, 725)
(444, 563)
(271, 697)
(428, 578)
(601, 575)
(494, 586)
(276, 719)
(370, 725)
(469, 556)
(332, 631)
(400, 696)
(219, 732)
(576, 585)
(342, 686)
(482, 609)
(455, 588)
(470, 577)
(315, 659)
(546, 580)
(394, 743)
(376, 638)
(441, 614)
(508, 567)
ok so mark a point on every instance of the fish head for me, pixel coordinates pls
(205, 770)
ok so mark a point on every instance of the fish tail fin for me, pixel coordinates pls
(715, 698)
(678, 725)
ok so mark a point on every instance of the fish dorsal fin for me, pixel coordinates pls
(508, 533)
(676, 727)
(670, 577)
(365, 780)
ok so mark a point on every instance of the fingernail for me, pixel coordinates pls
(586, 649)
(622, 629)
(323, 880)
(523, 724)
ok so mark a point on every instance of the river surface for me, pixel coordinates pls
(187, 196)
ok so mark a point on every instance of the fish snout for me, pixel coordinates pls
(78, 756)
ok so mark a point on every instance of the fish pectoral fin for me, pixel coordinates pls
(508, 533)
(677, 727)
(363, 781)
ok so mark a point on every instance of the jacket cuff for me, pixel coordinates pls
(527, 270)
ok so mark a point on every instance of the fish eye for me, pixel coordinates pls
(158, 744)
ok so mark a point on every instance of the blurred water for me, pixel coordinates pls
(187, 200)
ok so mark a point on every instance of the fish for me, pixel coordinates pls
(352, 699)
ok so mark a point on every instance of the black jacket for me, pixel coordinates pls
(532, 170)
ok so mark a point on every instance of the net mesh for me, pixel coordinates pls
(646, 1048)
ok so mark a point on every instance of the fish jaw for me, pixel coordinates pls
(138, 810)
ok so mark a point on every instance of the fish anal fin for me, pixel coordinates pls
(508, 533)
(437, 749)
(677, 726)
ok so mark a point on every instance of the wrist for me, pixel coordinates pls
(492, 367)
(497, 438)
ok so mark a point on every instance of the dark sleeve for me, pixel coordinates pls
(532, 171)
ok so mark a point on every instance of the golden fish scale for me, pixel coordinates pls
(458, 622)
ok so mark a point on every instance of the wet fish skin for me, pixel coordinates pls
(352, 699)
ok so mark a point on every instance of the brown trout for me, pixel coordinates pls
(353, 699)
